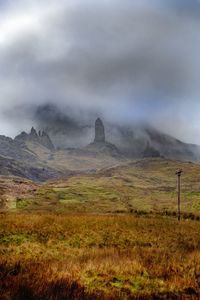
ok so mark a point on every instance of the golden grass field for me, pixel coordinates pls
(108, 235)
(81, 256)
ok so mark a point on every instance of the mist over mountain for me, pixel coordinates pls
(65, 128)
(130, 61)
(62, 144)
(133, 64)
(70, 131)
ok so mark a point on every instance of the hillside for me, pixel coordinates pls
(108, 235)
(145, 185)
(33, 171)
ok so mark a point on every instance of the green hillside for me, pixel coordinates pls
(147, 185)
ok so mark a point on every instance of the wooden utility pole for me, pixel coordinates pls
(178, 173)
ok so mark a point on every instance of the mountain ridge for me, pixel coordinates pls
(73, 130)
(35, 155)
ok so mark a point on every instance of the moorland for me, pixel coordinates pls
(112, 234)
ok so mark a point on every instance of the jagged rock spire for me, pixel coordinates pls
(34, 132)
(99, 132)
(46, 141)
(41, 137)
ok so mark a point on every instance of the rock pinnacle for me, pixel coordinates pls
(99, 132)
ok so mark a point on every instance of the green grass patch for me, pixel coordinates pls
(22, 203)
(16, 239)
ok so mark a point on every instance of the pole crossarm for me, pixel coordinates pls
(179, 172)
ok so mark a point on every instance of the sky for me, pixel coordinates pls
(127, 61)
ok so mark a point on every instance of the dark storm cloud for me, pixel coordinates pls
(127, 60)
(186, 7)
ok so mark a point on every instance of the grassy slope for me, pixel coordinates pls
(63, 160)
(77, 160)
(148, 185)
(94, 256)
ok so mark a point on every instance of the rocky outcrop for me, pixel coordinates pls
(13, 149)
(100, 146)
(99, 132)
(33, 133)
(45, 140)
(22, 137)
(41, 138)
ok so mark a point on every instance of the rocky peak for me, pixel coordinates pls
(100, 146)
(41, 138)
(99, 132)
(33, 132)
(22, 137)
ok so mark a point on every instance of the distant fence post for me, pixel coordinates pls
(178, 173)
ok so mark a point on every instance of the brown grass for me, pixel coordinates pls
(48, 256)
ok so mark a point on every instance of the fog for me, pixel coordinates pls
(126, 61)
